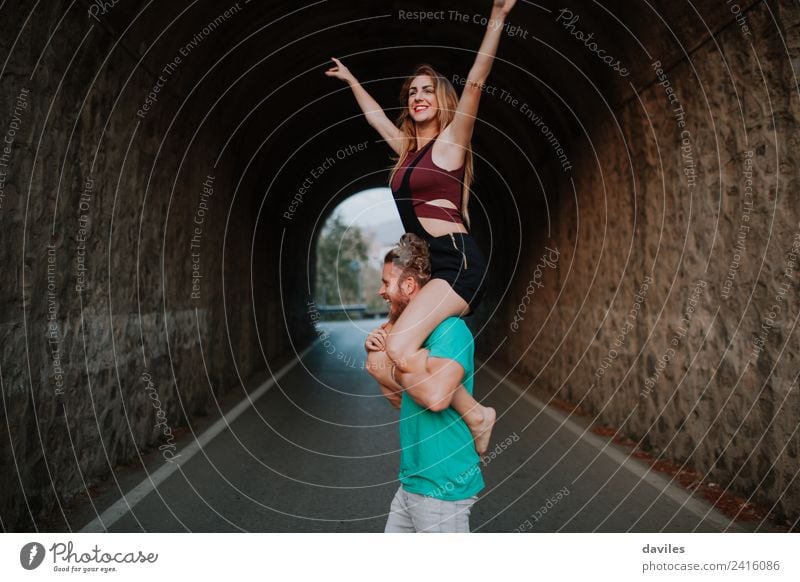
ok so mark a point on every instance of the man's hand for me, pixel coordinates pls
(379, 366)
(376, 340)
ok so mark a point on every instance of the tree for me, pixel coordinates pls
(341, 253)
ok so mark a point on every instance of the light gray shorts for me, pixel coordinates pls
(412, 513)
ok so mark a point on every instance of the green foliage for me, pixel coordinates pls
(341, 256)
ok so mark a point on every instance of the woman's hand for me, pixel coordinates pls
(504, 6)
(340, 71)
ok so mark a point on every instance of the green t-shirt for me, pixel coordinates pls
(438, 456)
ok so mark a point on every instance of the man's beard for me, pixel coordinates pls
(397, 306)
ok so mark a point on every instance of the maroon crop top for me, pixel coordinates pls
(429, 182)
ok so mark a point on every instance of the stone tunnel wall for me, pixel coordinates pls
(136, 332)
(98, 196)
(668, 305)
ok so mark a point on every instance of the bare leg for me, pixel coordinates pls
(435, 302)
(479, 419)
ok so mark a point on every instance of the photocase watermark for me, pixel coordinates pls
(460, 480)
(568, 19)
(664, 82)
(82, 235)
(96, 559)
(198, 223)
(373, 366)
(786, 282)
(167, 449)
(549, 261)
(676, 339)
(53, 333)
(421, 15)
(537, 515)
(548, 134)
(317, 172)
(528, 112)
(152, 97)
(31, 555)
(183, 52)
(627, 326)
(509, 29)
(6, 148)
(492, 90)
(98, 7)
(740, 246)
(741, 19)
(689, 167)
(465, 476)
(500, 448)
(687, 151)
(327, 344)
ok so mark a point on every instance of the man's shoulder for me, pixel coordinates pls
(452, 329)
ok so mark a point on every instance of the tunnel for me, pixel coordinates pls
(167, 169)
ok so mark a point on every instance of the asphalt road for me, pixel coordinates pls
(318, 452)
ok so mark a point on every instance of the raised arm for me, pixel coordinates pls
(372, 111)
(459, 132)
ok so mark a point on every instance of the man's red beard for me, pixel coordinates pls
(397, 306)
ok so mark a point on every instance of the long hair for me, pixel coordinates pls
(447, 100)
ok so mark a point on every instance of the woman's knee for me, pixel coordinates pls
(375, 362)
(397, 349)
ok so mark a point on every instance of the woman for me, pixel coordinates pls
(430, 183)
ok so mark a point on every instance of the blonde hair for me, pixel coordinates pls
(447, 100)
(412, 256)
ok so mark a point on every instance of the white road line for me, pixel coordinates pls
(661, 483)
(122, 506)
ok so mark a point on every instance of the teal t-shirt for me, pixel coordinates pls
(438, 457)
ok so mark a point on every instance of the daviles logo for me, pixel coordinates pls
(665, 549)
(31, 555)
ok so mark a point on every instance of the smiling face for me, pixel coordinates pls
(422, 103)
(396, 292)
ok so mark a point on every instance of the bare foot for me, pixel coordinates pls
(482, 432)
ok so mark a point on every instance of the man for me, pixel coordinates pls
(440, 474)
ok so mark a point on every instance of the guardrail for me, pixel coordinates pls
(350, 311)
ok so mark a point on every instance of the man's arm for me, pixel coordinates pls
(394, 398)
(380, 367)
(434, 388)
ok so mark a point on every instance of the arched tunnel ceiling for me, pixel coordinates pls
(257, 81)
(250, 77)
